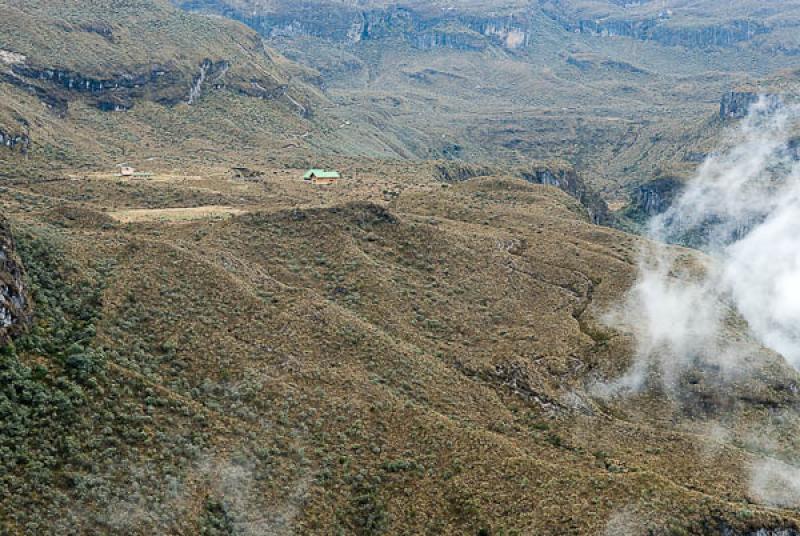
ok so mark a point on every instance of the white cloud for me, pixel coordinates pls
(743, 210)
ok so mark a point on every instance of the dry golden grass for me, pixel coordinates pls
(345, 361)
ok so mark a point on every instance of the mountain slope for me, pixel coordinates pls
(94, 84)
(419, 348)
(333, 361)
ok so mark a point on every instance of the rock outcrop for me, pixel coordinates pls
(448, 38)
(566, 179)
(660, 28)
(461, 171)
(655, 197)
(163, 84)
(736, 104)
(653, 30)
(78, 82)
(114, 93)
(56, 103)
(15, 304)
(210, 73)
(560, 175)
(14, 141)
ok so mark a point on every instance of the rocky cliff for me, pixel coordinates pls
(658, 30)
(654, 197)
(736, 104)
(15, 304)
(164, 84)
(566, 179)
(671, 23)
(558, 174)
(422, 28)
(14, 141)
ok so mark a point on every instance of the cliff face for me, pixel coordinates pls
(509, 26)
(736, 104)
(422, 29)
(673, 23)
(165, 84)
(15, 305)
(562, 176)
(566, 179)
(655, 197)
(110, 94)
(658, 30)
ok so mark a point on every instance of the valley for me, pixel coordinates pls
(197, 340)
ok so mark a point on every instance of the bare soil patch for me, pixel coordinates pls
(173, 215)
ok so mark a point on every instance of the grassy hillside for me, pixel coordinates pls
(418, 348)
(387, 356)
(96, 84)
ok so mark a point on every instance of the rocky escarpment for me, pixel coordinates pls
(459, 171)
(561, 176)
(15, 304)
(50, 99)
(590, 62)
(447, 38)
(654, 197)
(211, 73)
(662, 29)
(114, 93)
(450, 29)
(651, 30)
(164, 84)
(566, 179)
(736, 104)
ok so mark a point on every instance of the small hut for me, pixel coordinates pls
(127, 171)
(320, 176)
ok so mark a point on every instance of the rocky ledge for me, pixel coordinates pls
(566, 179)
(421, 29)
(164, 84)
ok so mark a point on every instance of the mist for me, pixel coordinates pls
(742, 211)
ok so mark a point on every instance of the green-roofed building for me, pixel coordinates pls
(313, 174)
